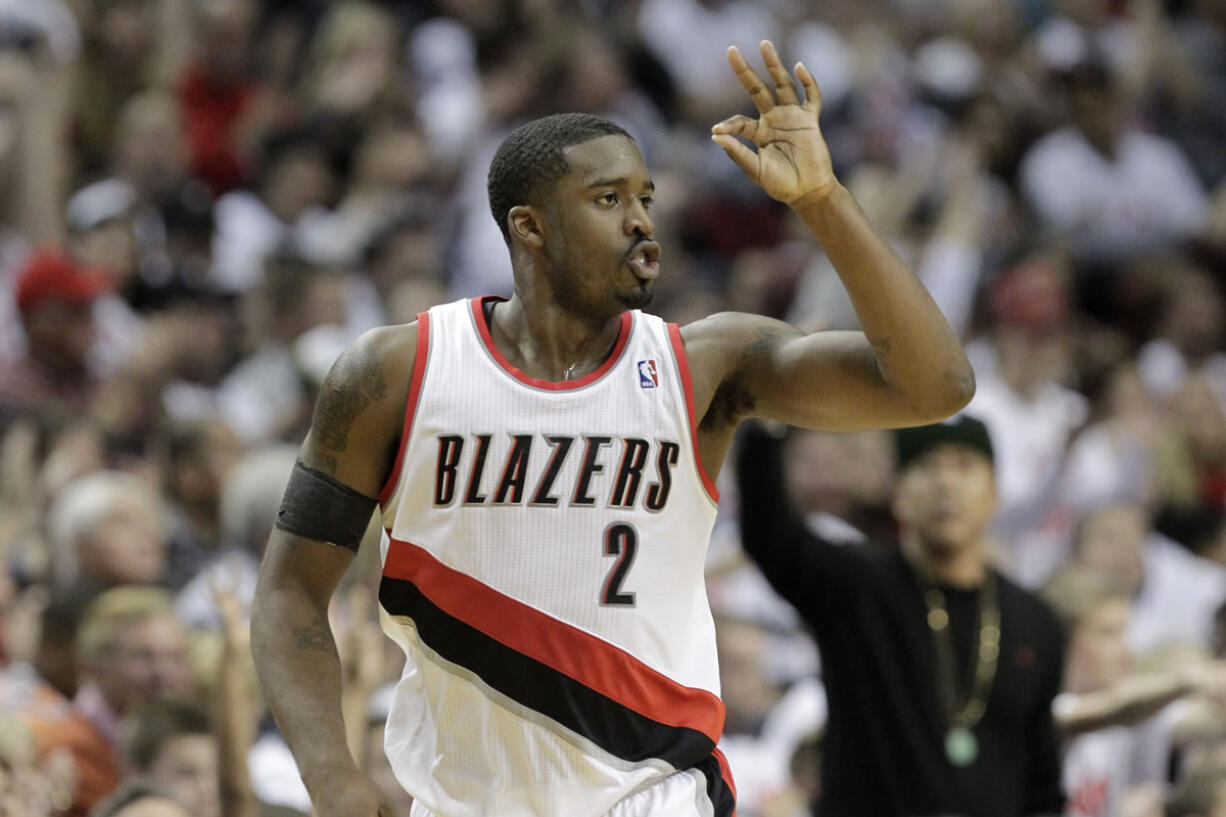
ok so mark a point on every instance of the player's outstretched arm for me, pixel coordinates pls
(906, 368)
(342, 464)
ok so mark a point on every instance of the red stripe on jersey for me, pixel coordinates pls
(410, 407)
(595, 663)
(726, 773)
(683, 367)
(623, 335)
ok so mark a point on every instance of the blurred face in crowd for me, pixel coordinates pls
(1127, 396)
(60, 334)
(146, 661)
(154, 807)
(1194, 318)
(410, 253)
(197, 476)
(593, 74)
(945, 498)
(126, 546)
(413, 296)
(1112, 540)
(1198, 415)
(225, 29)
(836, 471)
(149, 148)
(125, 30)
(298, 180)
(594, 221)
(1030, 304)
(109, 246)
(745, 686)
(1086, 12)
(392, 159)
(187, 767)
(1098, 653)
(207, 328)
(1099, 114)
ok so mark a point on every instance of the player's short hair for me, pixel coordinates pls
(532, 157)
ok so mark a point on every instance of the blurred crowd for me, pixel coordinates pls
(203, 201)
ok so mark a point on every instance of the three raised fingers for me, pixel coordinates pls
(785, 90)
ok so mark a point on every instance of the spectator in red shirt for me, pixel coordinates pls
(55, 296)
(217, 91)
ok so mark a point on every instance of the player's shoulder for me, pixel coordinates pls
(378, 363)
(725, 331)
(723, 342)
(390, 346)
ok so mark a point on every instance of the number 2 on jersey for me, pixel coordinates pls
(620, 540)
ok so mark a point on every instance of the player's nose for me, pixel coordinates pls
(638, 221)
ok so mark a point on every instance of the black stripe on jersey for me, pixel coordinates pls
(618, 730)
(718, 791)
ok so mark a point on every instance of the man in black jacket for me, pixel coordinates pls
(939, 672)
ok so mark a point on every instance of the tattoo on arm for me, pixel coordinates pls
(316, 638)
(762, 345)
(733, 400)
(356, 382)
(882, 347)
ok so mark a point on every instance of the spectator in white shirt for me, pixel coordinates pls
(1120, 726)
(1022, 397)
(1104, 184)
(1174, 593)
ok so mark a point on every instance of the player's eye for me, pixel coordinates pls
(647, 202)
(608, 198)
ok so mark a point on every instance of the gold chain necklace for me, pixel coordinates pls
(569, 370)
(964, 704)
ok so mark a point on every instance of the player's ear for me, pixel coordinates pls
(525, 222)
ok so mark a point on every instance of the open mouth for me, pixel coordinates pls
(644, 260)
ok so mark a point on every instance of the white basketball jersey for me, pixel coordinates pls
(543, 571)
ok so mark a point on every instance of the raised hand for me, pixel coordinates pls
(792, 162)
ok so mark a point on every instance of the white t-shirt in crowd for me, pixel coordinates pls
(1029, 438)
(1146, 196)
(1100, 766)
(1178, 598)
(689, 37)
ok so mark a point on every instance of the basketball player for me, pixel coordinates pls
(545, 470)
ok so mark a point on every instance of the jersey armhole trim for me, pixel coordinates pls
(687, 387)
(410, 409)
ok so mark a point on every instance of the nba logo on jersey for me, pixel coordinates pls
(647, 374)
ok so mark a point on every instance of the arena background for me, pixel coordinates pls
(203, 201)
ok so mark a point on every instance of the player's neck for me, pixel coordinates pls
(545, 340)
